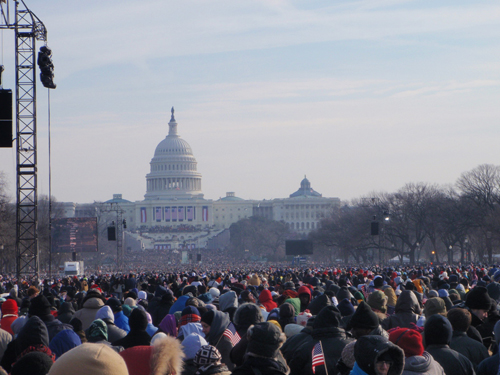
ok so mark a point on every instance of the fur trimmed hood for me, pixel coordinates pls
(164, 357)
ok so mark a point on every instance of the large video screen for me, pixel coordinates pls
(74, 234)
(298, 247)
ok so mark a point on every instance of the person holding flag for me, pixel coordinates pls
(307, 359)
(263, 351)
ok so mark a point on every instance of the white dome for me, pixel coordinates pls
(173, 145)
(173, 168)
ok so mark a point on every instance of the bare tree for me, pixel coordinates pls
(482, 186)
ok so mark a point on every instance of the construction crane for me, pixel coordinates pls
(15, 15)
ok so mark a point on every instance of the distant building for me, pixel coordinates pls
(175, 215)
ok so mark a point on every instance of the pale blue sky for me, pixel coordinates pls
(359, 95)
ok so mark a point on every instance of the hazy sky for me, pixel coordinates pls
(360, 96)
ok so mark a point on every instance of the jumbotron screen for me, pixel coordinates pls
(74, 234)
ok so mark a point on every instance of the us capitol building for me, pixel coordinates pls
(174, 213)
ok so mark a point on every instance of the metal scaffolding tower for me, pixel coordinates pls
(28, 28)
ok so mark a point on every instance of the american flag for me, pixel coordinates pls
(318, 358)
(231, 334)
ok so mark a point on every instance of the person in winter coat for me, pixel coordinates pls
(32, 337)
(325, 329)
(137, 336)
(106, 315)
(168, 325)
(92, 302)
(41, 307)
(64, 341)
(34, 363)
(90, 359)
(5, 339)
(417, 361)
(208, 360)
(121, 321)
(293, 343)
(160, 307)
(376, 355)
(318, 303)
(305, 297)
(190, 346)
(66, 312)
(266, 299)
(164, 356)
(407, 312)
(264, 342)
(228, 300)
(364, 322)
(490, 365)
(438, 332)
(460, 320)
(214, 323)
(286, 315)
(247, 314)
(9, 314)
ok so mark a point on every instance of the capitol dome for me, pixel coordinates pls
(173, 172)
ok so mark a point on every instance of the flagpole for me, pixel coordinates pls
(321, 345)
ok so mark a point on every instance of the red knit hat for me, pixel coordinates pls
(407, 339)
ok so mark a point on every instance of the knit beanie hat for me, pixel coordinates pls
(34, 363)
(493, 291)
(138, 320)
(247, 314)
(114, 303)
(478, 298)
(76, 324)
(214, 292)
(292, 329)
(443, 293)
(265, 339)
(434, 306)
(345, 307)
(9, 307)
(433, 293)
(207, 355)
(378, 281)
(191, 344)
(407, 339)
(89, 359)
(348, 354)
(40, 306)
(129, 301)
(208, 317)
(143, 295)
(378, 300)
(364, 317)
(437, 331)
(98, 331)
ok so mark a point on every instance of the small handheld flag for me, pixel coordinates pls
(318, 357)
(231, 334)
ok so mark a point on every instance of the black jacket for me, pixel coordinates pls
(333, 339)
(294, 342)
(407, 312)
(264, 366)
(489, 366)
(472, 349)
(452, 362)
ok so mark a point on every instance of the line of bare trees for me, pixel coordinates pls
(420, 222)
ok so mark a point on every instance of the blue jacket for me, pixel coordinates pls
(356, 370)
(121, 321)
(179, 304)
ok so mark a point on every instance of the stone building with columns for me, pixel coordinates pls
(175, 214)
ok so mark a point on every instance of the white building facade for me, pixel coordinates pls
(174, 213)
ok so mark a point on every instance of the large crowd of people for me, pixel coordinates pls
(222, 318)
